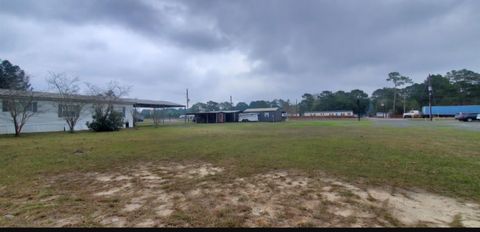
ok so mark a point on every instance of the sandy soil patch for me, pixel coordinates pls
(174, 194)
(70, 221)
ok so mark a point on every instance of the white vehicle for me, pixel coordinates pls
(478, 116)
(189, 117)
(412, 114)
(248, 117)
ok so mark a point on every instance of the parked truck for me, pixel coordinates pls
(449, 111)
(412, 114)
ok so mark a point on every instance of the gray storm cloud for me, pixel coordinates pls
(248, 49)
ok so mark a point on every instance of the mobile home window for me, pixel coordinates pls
(33, 107)
(4, 106)
(68, 110)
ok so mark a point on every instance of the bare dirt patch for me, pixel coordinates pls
(201, 194)
(70, 221)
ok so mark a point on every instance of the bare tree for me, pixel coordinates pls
(21, 107)
(70, 105)
(112, 92)
(105, 98)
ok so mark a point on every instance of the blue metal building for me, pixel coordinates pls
(450, 111)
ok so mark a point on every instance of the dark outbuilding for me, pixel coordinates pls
(274, 114)
(216, 116)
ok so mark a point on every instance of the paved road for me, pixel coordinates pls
(446, 123)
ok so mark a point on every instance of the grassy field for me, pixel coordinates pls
(440, 160)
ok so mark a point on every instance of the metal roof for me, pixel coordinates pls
(42, 95)
(151, 103)
(86, 98)
(229, 111)
(251, 110)
(331, 111)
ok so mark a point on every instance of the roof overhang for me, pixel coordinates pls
(46, 96)
(258, 110)
(154, 104)
(216, 112)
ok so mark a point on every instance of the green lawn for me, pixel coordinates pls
(441, 160)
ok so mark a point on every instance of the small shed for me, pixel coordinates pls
(274, 114)
(216, 116)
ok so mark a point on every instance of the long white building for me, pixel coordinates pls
(47, 114)
(339, 113)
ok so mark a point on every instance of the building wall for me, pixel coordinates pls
(46, 119)
(219, 117)
(451, 110)
(329, 114)
(206, 118)
(381, 115)
(271, 116)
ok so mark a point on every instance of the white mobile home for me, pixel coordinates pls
(48, 114)
(335, 114)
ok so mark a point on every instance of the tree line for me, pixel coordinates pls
(457, 87)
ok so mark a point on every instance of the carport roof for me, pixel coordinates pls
(260, 110)
(151, 103)
(47, 96)
(216, 112)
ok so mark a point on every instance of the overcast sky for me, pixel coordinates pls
(251, 50)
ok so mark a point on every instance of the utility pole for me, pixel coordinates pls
(231, 102)
(383, 108)
(430, 90)
(186, 108)
(163, 115)
(358, 108)
(296, 108)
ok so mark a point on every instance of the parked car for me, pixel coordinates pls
(412, 114)
(189, 117)
(466, 117)
(478, 116)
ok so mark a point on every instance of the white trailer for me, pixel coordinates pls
(248, 117)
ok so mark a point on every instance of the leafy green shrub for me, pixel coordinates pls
(111, 121)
